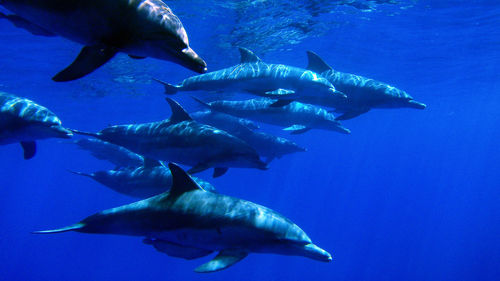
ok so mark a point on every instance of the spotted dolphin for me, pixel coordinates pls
(142, 181)
(266, 145)
(254, 76)
(189, 222)
(23, 121)
(139, 28)
(184, 140)
(362, 93)
(296, 117)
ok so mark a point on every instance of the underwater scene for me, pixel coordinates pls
(249, 140)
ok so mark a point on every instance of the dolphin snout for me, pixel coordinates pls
(191, 60)
(316, 253)
(416, 104)
(63, 132)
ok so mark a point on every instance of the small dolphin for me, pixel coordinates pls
(266, 145)
(189, 222)
(297, 117)
(141, 182)
(256, 77)
(23, 121)
(362, 93)
(183, 140)
(118, 155)
(139, 28)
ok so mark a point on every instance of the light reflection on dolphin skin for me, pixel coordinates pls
(362, 93)
(183, 140)
(189, 222)
(297, 117)
(256, 77)
(139, 28)
(23, 121)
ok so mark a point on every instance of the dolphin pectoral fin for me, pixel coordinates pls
(351, 114)
(175, 250)
(89, 59)
(29, 148)
(136, 57)
(223, 260)
(297, 129)
(219, 171)
(280, 93)
(281, 103)
(27, 25)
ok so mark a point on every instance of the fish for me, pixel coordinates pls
(24, 121)
(252, 75)
(189, 222)
(184, 140)
(297, 117)
(139, 28)
(363, 93)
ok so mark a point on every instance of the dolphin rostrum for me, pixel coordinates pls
(189, 222)
(256, 77)
(362, 93)
(118, 155)
(296, 117)
(139, 28)
(184, 140)
(142, 182)
(23, 121)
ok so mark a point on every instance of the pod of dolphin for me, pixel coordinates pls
(180, 215)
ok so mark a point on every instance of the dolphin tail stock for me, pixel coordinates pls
(95, 135)
(201, 102)
(169, 88)
(73, 227)
(80, 173)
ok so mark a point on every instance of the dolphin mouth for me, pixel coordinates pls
(190, 59)
(316, 253)
(416, 104)
(63, 132)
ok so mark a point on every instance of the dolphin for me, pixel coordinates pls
(362, 93)
(256, 77)
(23, 121)
(139, 28)
(189, 222)
(297, 117)
(118, 155)
(183, 140)
(266, 145)
(141, 182)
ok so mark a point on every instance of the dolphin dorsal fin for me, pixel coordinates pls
(248, 56)
(178, 113)
(316, 63)
(181, 181)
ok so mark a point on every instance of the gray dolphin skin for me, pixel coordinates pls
(183, 140)
(141, 182)
(254, 76)
(266, 145)
(189, 222)
(362, 93)
(297, 117)
(118, 155)
(23, 121)
(139, 28)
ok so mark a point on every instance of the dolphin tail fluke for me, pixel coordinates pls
(169, 88)
(95, 135)
(73, 227)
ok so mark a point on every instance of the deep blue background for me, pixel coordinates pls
(409, 195)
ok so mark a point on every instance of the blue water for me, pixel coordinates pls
(409, 195)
